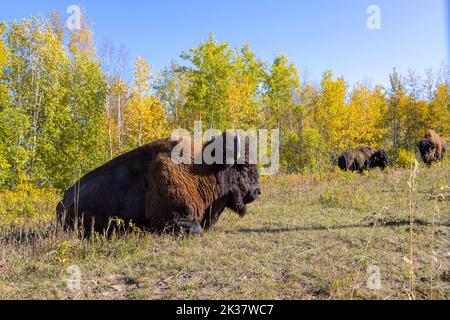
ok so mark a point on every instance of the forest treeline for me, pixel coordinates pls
(67, 106)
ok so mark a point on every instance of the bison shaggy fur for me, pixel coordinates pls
(432, 147)
(147, 188)
(362, 158)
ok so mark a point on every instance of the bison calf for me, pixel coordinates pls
(362, 158)
(432, 147)
(146, 187)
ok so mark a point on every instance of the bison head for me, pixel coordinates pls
(379, 159)
(427, 150)
(236, 173)
(245, 187)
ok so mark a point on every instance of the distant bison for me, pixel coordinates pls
(362, 158)
(432, 147)
(146, 187)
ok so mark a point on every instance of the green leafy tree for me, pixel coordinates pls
(52, 122)
(5, 127)
(283, 107)
(397, 102)
(171, 88)
(36, 80)
(244, 97)
(209, 75)
(81, 144)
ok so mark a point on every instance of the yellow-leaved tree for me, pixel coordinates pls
(439, 111)
(243, 100)
(330, 113)
(365, 117)
(145, 119)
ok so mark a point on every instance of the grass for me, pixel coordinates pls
(309, 237)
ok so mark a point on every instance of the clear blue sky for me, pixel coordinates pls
(315, 34)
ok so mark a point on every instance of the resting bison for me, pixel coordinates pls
(432, 147)
(362, 158)
(146, 187)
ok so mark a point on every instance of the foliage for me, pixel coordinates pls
(51, 124)
(63, 111)
(144, 119)
(330, 113)
(27, 203)
(404, 158)
(439, 109)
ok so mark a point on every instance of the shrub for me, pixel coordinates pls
(404, 158)
(314, 153)
(27, 202)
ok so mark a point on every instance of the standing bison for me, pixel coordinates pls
(362, 158)
(432, 147)
(146, 187)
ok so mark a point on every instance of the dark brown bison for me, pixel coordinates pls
(147, 188)
(363, 158)
(432, 147)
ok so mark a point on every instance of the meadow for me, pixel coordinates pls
(313, 236)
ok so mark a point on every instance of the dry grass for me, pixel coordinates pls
(308, 238)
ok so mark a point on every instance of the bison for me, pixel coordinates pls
(362, 158)
(432, 147)
(147, 188)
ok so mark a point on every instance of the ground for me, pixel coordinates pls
(309, 237)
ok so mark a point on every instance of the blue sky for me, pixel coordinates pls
(316, 35)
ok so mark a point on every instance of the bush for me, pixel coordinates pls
(27, 202)
(404, 158)
(314, 153)
(289, 158)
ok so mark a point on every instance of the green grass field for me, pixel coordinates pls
(309, 237)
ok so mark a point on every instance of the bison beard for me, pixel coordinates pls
(432, 147)
(145, 187)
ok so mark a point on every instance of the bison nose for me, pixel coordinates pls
(257, 193)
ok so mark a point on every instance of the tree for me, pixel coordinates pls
(413, 83)
(84, 134)
(5, 127)
(209, 76)
(395, 116)
(145, 118)
(244, 96)
(365, 112)
(4, 57)
(439, 110)
(114, 67)
(330, 113)
(171, 88)
(36, 81)
(81, 42)
(52, 122)
(283, 88)
(282, 106)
